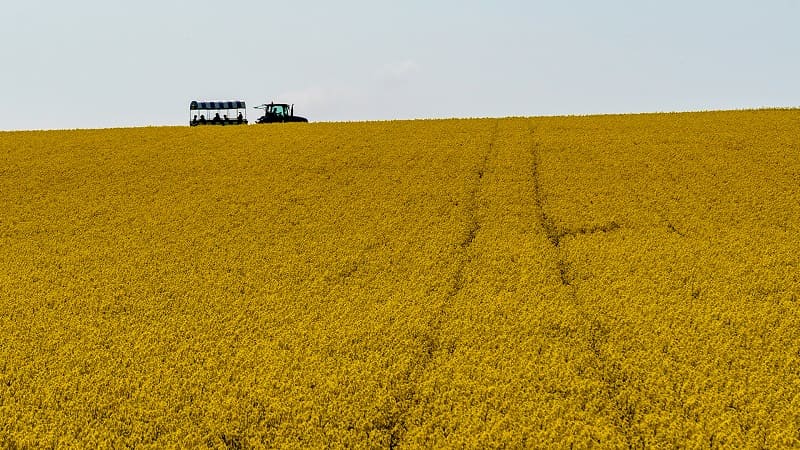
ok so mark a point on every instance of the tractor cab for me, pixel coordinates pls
(278, 113)
(279, 109)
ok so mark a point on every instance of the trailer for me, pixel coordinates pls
(200, 113)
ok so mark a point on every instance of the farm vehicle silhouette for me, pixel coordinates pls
(235, 113)
(278, 113)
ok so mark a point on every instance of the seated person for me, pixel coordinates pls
(202, 119)
(216, 119)
(194, 120)
(239, 118)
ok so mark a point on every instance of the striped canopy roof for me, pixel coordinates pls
(216, 105)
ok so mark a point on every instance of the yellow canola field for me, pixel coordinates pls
(612, 281)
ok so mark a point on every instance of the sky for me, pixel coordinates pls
(110, 63)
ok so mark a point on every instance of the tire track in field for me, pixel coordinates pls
(474, 224)
(396, 423)
(552, 231)
(612, 375)
(555, 231)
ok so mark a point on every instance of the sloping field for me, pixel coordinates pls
(613, 280)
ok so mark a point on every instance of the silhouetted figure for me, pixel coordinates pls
(202, 119)
(216, 119)
(194, 120)
(239, 118)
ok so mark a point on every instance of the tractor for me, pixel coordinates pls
(278, 113)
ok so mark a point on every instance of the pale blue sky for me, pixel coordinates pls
(109, 63)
